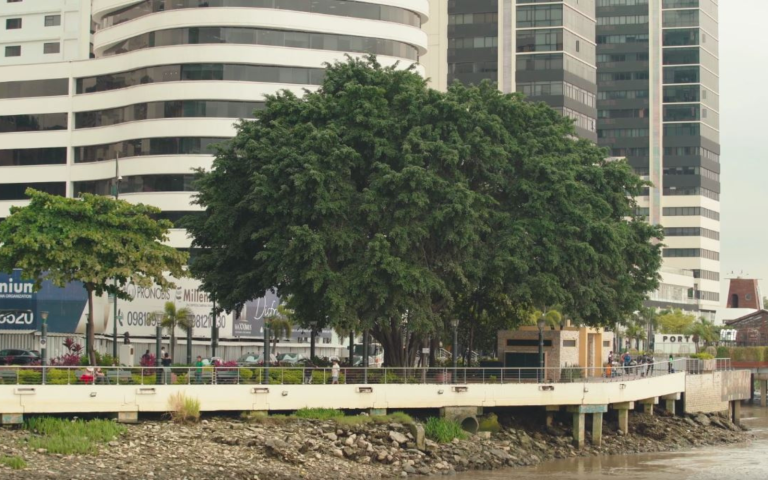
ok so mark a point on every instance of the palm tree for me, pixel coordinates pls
(172, 318)
(635, 331)
(280, 324)
(706, 331)
(552, 317)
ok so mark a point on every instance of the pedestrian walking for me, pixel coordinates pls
(145, 358)
(166, 363)
(671, 367)
(308, 373)
(335, 370)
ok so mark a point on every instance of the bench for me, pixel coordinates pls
(8, 377)
(119, 377)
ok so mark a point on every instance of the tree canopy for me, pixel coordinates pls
(101, 242)
(676, 322)
(380, 204)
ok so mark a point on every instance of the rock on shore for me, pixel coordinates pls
(324, 450)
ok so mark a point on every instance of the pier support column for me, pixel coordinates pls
(127, 417)
(11, 418)
(579, 412)
(623, 411)
(648, 404)
(377, 412)
(597, 429)
(736, 412)
(669, 402)
(764, 393)
(551, 410)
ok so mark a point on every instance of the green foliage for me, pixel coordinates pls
(490, 423)
(744, 354)
(723, 352)
(705, 330)
(573, 374)
(70, 437)
(702, 356)
(443, 431)
(172, 318)
(245, 374)
(30, 377)
(375, 197)
(552, 317)
(676, 322)
(13, 462)
(181, 379)
(101, 242)
(184, 409)
(60, 377)
(264, 418)
(319, 413)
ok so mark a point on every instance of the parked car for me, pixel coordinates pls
(255, 360)
(19, 357)
(290, 359)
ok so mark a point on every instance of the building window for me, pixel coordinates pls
(52, 20)
(12, 23)
(14, 51)
(569, 343)
(53, 47)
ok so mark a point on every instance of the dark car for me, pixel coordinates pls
(19, 357)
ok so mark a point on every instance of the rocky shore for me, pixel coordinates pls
(292, 449)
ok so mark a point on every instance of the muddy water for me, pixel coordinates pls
(748, 461)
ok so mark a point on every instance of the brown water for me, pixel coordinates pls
(745, 461)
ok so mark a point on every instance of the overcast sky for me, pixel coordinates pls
(744, 138)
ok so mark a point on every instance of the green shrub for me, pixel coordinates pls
(138, 379)
(490, 423)
(65, 437)
(571, 374)
(181, 379)
(15, 463)
(723, 352)
(702, 356)
(30, 377)
(60, 377)
(245, 374)
(184, 409)
(264, 418)
(318, 413)
(442, 430)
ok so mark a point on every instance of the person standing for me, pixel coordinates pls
(335, 373)
(671, 368)
(308, 367)
(166, 363)
(199, 370)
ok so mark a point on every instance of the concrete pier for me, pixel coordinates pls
(597, 429)
(736, 412)
(623, 410)
(669, 402)
(579, 419)
(551, 410)
(648, 404)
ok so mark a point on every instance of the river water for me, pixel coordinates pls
(745, 461)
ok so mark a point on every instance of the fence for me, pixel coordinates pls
(208, 375)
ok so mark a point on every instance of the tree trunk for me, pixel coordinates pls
(173, 342)
(396, 353)
(91, 334)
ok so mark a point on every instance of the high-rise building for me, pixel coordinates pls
(168, 78)
(44, 31)
(546, 51)
(647, 70)
(658, 104)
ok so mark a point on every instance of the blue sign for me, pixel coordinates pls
(20, 304)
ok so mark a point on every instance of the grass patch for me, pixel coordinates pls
(318, 413)
(184, 409)
(442, 430)
(78, 437)
(263, 418)
(16, 463)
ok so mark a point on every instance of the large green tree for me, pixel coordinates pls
(101, 242)
(382, 205)
(676, 322)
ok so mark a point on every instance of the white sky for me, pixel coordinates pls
(744, 139)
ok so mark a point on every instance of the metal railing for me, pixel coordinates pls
(33, 375)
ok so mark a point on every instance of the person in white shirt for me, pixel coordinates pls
(335, 373)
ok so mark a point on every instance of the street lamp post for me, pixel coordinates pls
(118, 178)
(44, 343)
(541, 323)
(455, 349)
(312, 326)
(191, 325)
(267, 355)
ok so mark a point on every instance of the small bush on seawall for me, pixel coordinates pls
(490, 423)
(318, 413)
(14, 463)
(184, 409)
(442, 430)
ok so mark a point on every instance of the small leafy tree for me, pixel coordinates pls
(707, 332)
(676, 322)
(99, 241)
(172, 318)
